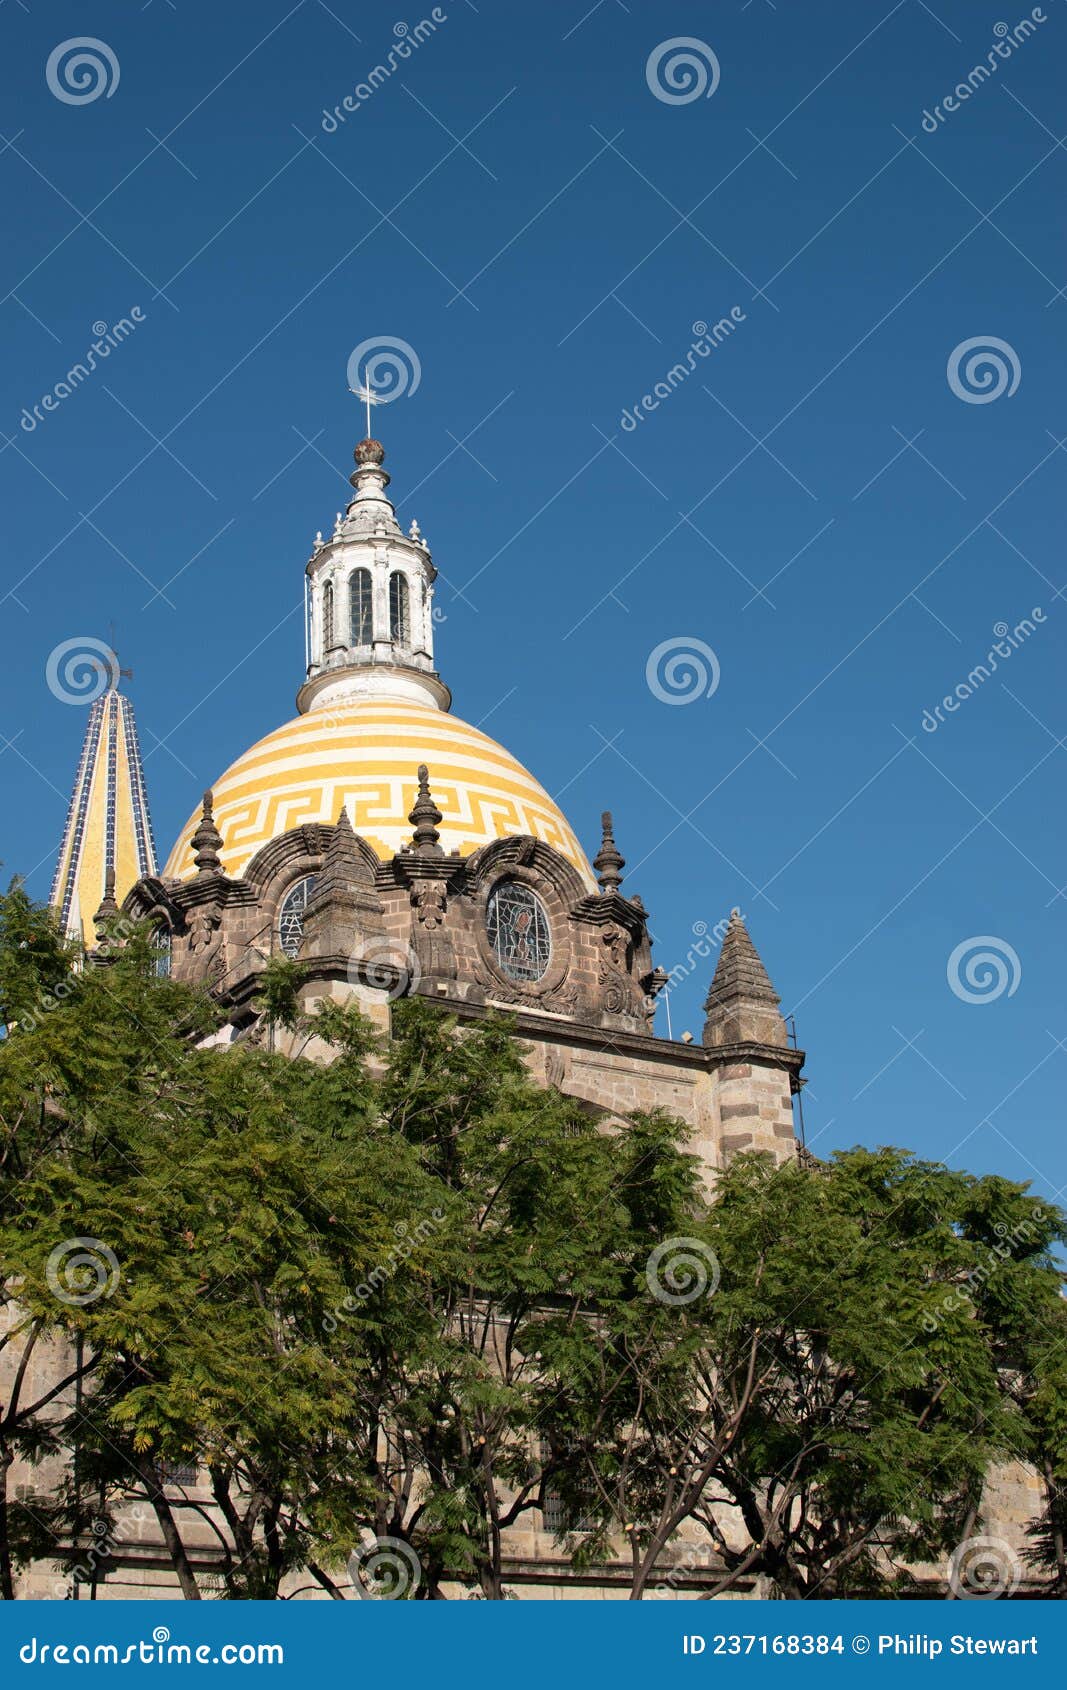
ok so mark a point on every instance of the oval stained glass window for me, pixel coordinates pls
(291, 915)
(518, 930)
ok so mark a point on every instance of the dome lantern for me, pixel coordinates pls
(369, 603)
(372, 712)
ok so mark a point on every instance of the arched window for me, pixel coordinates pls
(327, 618)
(518, 931)
(399, 612)
(291, 915)
(362, 613)
(162, 947)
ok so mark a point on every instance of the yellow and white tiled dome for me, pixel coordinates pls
(365, 755)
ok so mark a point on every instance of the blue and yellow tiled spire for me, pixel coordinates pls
(108, 826)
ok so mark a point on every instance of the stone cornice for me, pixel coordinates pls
(587, 1036)
(579, 1035)
(598, 909)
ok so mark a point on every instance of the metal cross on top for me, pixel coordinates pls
(114, 669)
(369, 397)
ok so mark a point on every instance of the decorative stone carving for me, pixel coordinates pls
(430, 904)
(621, 992)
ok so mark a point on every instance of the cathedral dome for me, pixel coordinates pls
(364, 755)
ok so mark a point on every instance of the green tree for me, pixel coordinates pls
(834, 1375)
(408, 1294)
(536, 1196)
(189, 1220)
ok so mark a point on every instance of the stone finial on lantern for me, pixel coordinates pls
(425, 818)
(207, 840)
(608, 862)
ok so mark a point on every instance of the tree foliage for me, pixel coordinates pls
(406, 1294)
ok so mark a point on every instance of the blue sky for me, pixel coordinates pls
(816, 503)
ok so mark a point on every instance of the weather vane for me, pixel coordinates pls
(369, 398)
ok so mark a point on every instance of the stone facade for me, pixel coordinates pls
(420, 923)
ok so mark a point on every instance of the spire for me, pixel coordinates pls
(608, 861)
(425, 817)
(108, 830)
(344, 912)
(207, 840)
(342, 866)
(741, 1004)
